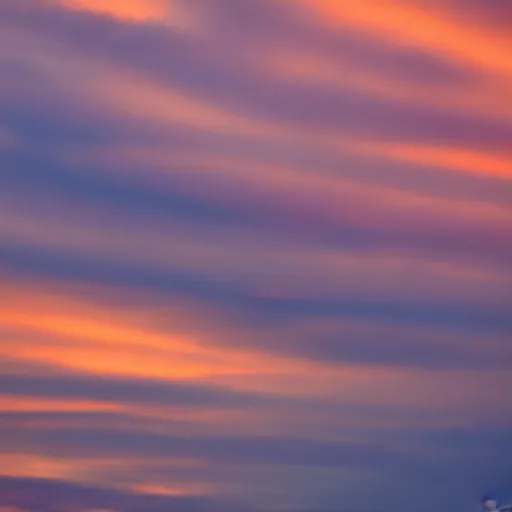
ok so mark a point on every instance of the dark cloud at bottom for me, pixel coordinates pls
(44, 495)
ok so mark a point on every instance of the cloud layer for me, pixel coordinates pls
(254, 254)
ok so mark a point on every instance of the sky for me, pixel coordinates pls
(255, 255)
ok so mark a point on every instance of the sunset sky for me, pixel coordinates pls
(255, 255)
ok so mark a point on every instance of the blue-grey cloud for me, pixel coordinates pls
(77, 441)
(135, 391)
(44, 495)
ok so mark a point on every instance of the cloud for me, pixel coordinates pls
(264, 264)
(249, 103)
(392, 20)
(41, 495)
(229, 449)
(119, 390)
(378, 343)
(479, 13)
(130, 10)
(255, 250)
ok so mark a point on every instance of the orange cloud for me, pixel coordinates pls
(131, 10)
(125, 93)
(85, 336)
(411, 23)
(88, 470)
(34, 404)
(449, 158)
(91, 332)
